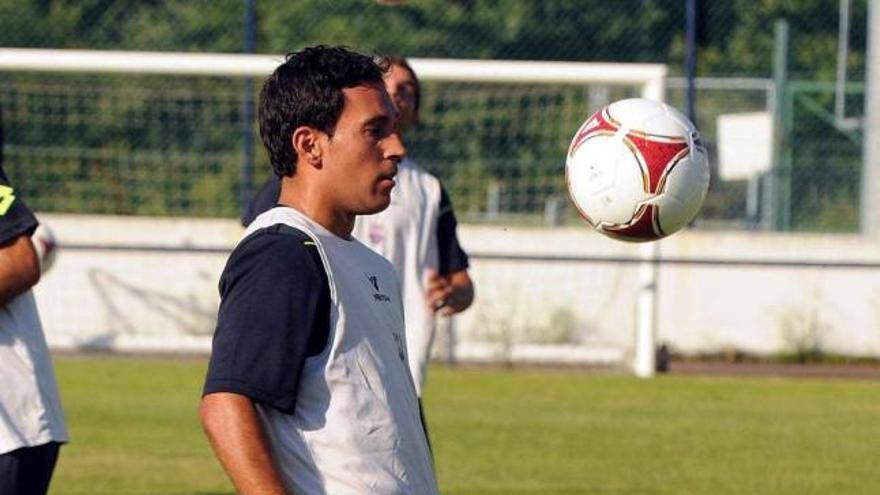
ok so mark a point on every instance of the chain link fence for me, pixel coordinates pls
(173, 146)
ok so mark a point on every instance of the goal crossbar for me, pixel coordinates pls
(649, 77)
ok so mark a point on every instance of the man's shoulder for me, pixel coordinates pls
(271, 244)
(270, 255)
(279, 234)
(16, 218)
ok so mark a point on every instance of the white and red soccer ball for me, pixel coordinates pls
(636, 170)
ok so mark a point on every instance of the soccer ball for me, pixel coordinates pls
(45, 245)
(637, 171)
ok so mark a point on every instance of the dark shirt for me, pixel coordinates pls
(274, 314)
(16, 219)
(452, 257)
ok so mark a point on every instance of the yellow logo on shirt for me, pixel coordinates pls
(6, 199)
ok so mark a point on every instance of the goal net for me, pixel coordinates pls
(166, 137)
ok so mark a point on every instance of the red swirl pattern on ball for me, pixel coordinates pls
(600, 123)
(657, 157)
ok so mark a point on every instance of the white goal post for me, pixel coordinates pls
(648, 78)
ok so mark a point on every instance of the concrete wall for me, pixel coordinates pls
(143, 300)
(133, 300)
(701, 308)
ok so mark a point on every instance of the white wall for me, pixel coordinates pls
(700, 308)
(133, 300)
(167, 301)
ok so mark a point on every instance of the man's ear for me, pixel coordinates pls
(306, 143)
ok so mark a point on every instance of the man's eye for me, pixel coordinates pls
(377, 131)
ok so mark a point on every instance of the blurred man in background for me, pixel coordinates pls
(417, 233)
(31, 422)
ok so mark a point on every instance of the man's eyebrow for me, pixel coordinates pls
(378, 119)
(381, 119)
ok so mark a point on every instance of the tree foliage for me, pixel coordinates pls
(193, 124)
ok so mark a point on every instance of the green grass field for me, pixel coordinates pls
(134, 431)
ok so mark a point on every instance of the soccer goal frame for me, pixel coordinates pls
(648, 78)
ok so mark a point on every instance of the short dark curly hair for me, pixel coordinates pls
(307, 90)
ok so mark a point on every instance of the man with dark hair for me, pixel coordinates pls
(308, 389)
(31, 422)
(417, 233)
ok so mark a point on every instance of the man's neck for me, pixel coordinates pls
(312, 204)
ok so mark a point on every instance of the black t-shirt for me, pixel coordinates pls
(16, 218)
(274, 314)
(452, 258)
